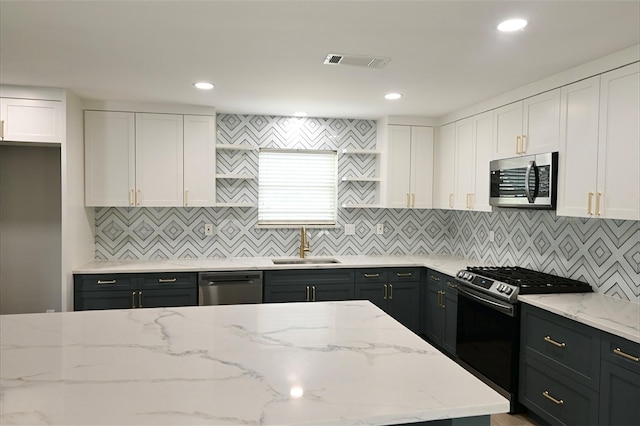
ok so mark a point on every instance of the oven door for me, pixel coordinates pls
(488, 339)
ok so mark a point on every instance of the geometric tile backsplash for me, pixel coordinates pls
(604, 253)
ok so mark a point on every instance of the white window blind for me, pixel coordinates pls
(297, 187)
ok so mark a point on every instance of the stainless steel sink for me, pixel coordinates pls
(305, 261)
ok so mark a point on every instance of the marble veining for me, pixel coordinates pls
(606, 313)
(314, 363)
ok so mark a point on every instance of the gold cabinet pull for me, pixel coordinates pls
(2, 129)
(598, 195)
(186, 198)
(518, 138)
(452, 285)
(413, 199)
(472, 198)
(306, 297)
(451, 200)
(133, 300)
(619, 352)
(167, 280)
(524, 144)
(408, 205)
(404, 274)
(384, 297)
(434, 278)
(390, 291)
(589, 199)
(106, 282)
(139, 299)
(550, 398)
(131, 202)
(313, 293)
(138, 196)
(371, 275)
(548, 339)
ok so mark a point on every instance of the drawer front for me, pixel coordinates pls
(309, 277)
(105, 282)
(404, 274)
(555, 397)
(168, 280)
(621, 352)
(435, 278)
(570, 347)
(371, 275)
(111, 299)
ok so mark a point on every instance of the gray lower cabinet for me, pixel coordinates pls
(619, 381)
(573, 374)
(128, 291)
(394, 290)
(308, 285)
(440, 310)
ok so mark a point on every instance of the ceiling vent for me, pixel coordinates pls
(356, 60)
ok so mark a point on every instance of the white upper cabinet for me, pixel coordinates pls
(31, 120)
(474, 136)
(618, 190)
(409, 167)
(443, 167)
(199, 160)
(530, 126)
(159, 160)
(599, 161)
(149, 160)
(109, 143)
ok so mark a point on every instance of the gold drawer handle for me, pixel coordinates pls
(107, 282)
(450, 284)
(167, 280)
(371, 275)
(407, 274)
(550, 398)
(619, 352)
(433, 277)
(553, 342)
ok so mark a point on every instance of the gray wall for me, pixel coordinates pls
(604, 253)
(30, 233)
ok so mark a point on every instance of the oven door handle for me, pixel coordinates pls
(507, 309)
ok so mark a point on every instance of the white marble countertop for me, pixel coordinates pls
(296, 363)
(446, 264)
(606, 313)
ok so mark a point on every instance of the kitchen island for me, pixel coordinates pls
(296, 363)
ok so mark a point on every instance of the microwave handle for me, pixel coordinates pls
(531, 197)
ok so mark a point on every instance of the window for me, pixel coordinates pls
(297, 187)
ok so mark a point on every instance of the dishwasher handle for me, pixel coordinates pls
(228, 282)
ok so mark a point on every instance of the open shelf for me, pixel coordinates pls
(361, 206)
(361, 179)
(351, 151)
(247, 205)
(237, 147)
(235, 176)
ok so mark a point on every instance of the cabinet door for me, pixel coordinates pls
(398, 167)
(434, 327)
(619, 144)
(169, 297)
(444, 167)
(541, 123)
(159, 160)
(450, 319)
(403, 303)
(421, 167)
(578, 151)
(332, 292)
(375, 293)
(199, 160)
(30, 120)
(619, 390)
(483, 138)
(109, 143)
(465, 164)
(508, 127)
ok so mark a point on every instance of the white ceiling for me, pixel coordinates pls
(265, 57)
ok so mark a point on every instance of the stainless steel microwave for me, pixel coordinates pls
(528, 181)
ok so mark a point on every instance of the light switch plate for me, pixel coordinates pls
(349, 229)
(492, 236)
(208, 229)
(380, 228)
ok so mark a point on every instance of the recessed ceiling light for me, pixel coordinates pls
(202, 85)
(300, 114)
(512, 25)
(393, 96)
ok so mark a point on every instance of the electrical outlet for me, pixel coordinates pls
(380, 228)
(492, 236)
(208, 229)
(349, 229)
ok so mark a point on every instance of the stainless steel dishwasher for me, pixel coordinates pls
(230, 288)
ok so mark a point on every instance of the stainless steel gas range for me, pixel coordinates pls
(488, 328)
